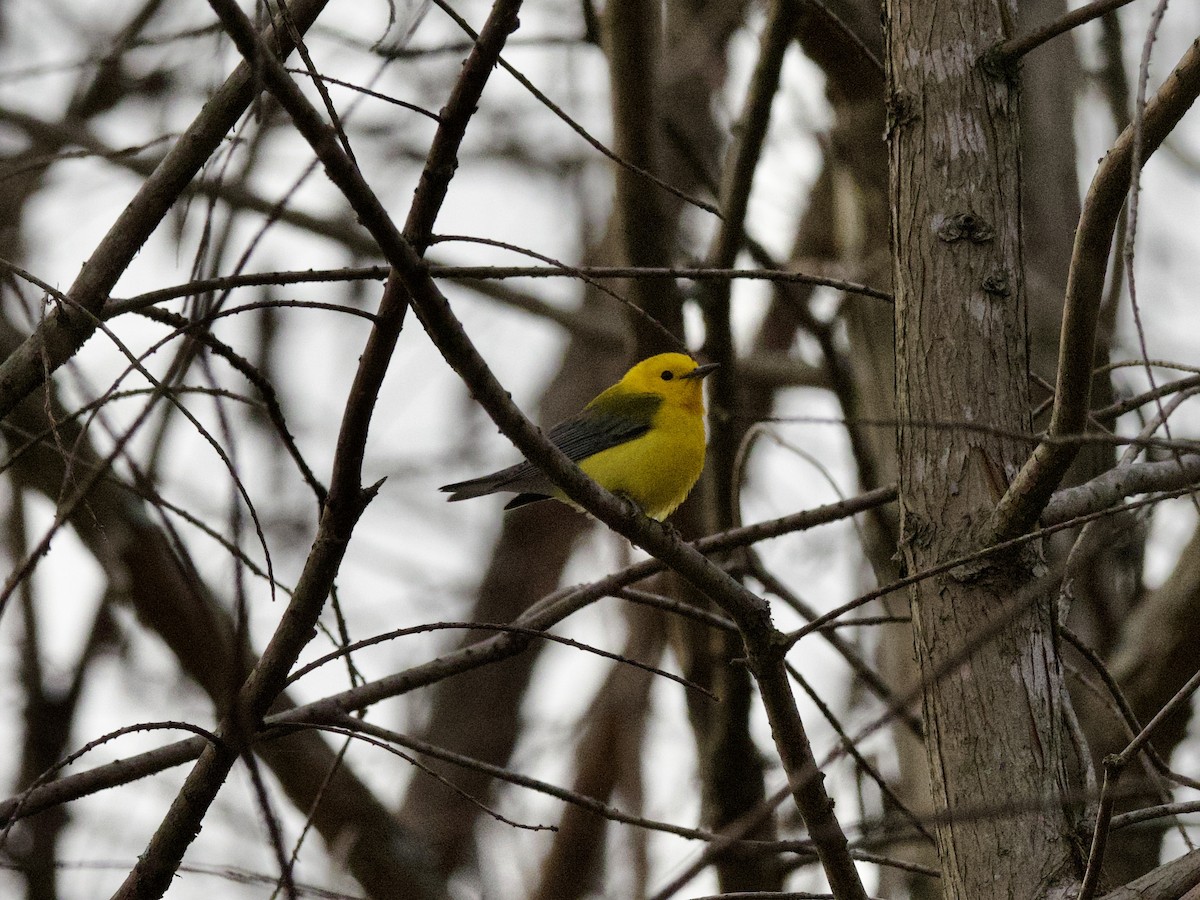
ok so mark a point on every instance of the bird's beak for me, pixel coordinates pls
(702, 371)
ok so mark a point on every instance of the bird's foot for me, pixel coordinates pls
(631, 505)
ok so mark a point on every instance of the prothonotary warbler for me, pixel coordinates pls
(642, 439)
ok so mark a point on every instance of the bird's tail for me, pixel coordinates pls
(475, 487)
(519, 479)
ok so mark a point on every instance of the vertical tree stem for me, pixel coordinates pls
(996, 729)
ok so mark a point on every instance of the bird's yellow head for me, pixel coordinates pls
(675, 377)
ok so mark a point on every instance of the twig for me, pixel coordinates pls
(360, 731)
(1114, 766)
(579, 129)
(851, 748)
(508, 629)
(1002, 56)
(1150, 813)
(1133, 726)
(417, 745)
(25, 804)
(329, 79)
(843, 28)
(1131, 211)
(732, 835)
(869, 677)
(67, 505)
(484, 273)
(1091, 875)
(1181, 696)
(1103, 506)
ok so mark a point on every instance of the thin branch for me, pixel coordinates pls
(1120, 407)
(1091, 875)
(579, 129)
(510, 629)
(733, 834)
(488, 273)
(1109, 488)
(1123, 709)
(1181, 696)
(33, 799)
(1004, 55)
(1103, 508)
(160, 391)
(868, 676)
(1149, 813)
(329, 79)
(351, 724)
(851, 748)
(358, 730)
(846, 31)
(318, 82)
(638, 312)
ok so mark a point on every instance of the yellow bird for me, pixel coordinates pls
(642, 439)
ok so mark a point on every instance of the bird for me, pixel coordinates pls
(642, 439)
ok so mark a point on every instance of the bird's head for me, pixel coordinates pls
(675, 377)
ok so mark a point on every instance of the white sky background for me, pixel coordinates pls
(414, 559)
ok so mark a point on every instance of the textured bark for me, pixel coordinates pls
(997, 723)
(1178, 880)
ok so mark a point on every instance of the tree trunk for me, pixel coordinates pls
(995, 707)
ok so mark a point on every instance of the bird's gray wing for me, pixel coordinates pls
(593, 431)
(586, 434)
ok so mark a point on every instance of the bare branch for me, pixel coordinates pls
(347, 499)
(1168, 882)
(1004, 55)
(1029, 492)
(1109, 488)
(64, 331)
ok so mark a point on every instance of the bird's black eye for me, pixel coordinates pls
(668, 375)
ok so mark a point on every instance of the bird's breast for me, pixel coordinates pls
(657, 469)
